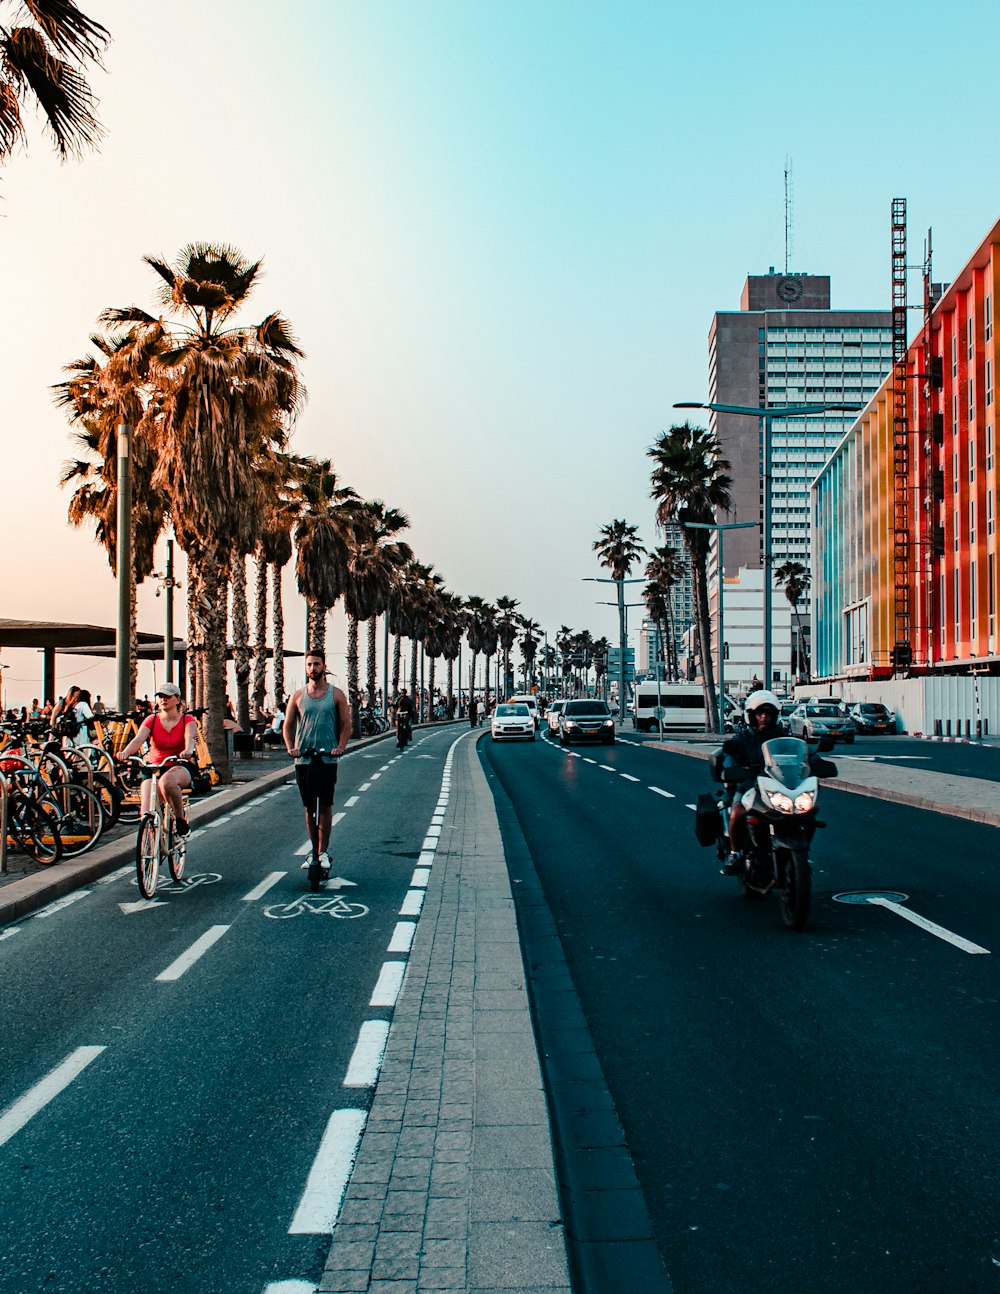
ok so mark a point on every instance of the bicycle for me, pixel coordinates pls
(370, 722)
(158, 840)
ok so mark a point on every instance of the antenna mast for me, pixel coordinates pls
(788, 212)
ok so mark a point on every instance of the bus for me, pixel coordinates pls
(669, 707)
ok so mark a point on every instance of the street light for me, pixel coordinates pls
(720, 530)
(767, 413)
(595, 579)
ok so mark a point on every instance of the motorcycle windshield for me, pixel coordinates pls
(786, 759)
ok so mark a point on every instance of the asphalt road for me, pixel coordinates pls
(810, 1112)
(190, 1093)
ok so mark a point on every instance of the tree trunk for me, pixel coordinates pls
(260, 633)
(241, 641)
(451, 684)
(704, 620)
(210, 613)
(317, 628)
(397, 651)
(417, 701)
(472, 677)
(278, 627)
(430, 689)
(353, 679)
(372, 659)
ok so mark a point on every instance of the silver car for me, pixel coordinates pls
(820, 717)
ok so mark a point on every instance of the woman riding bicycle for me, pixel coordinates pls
(172, 736)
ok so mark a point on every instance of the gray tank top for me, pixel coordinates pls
(318, 725)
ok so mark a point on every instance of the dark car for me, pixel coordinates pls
(870, 717)
(821, 717)
(586, 721)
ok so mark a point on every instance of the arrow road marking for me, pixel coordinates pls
(140, 905)
(948, 935)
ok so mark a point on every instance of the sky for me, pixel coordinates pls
(499, 230)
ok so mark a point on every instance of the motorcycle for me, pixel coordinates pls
(404, 728)
(781, 808)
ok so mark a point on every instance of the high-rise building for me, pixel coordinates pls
(785, 345)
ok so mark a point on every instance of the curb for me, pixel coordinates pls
(19, 899)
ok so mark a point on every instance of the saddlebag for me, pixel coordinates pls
(707, 820)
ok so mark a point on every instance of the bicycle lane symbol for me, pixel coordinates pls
(331, 905)
(165, 886)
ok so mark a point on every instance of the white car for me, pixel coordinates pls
(532, 705)
(512, 719)
(552, 715)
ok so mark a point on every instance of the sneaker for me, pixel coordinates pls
(183, 826)
(324, 861)
(734, 864)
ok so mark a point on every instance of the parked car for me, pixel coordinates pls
(870, 717)
(552, 715)
(513, 720)
(821, 717)
(586, 721)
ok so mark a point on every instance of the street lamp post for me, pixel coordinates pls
(720, 530)
(623, 635)
(767, 413)
(123, 558)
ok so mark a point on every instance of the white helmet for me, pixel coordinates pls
(762, 697)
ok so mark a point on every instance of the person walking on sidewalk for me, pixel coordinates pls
(317, 717)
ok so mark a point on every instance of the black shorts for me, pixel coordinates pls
(316, 782)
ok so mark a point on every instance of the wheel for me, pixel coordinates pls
(81, 819)
(37, 831)
(176, 850)
(147, 856)
(315, 877)
(797, 891)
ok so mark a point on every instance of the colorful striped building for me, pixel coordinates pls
(951, 485)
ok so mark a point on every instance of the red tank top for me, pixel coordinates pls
(163, 743)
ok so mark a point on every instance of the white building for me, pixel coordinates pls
(743, 620)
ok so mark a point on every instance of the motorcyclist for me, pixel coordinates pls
(405, 712)
(744, 750)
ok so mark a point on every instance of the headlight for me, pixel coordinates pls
(780, 801)
(570, 724)
(805, 801)
(609, 723)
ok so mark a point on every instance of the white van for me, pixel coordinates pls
(532, 704)
(669, 707)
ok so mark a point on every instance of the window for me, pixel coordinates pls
(972, 401)
(954, 472)
(988, 318)
(972, 462)
(972, 522)
(972, 599)
(989, 382)
(954, 411)
(989, 512)
(970, 329)
(958, 604)
(954, 357)
(955, 525)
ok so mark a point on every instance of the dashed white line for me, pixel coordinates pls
(588, 760)
(367, 786)
(412, 904)
(366, 1060)
(402, 937)
(349, 804)
(186, 960)
(426, 857)
(374, 777)
(116, 875)
(338, 817)
(260, 890)
(324, 1193)
(244, 808)
(628, 777)
(421, 877)
(388, 984)
(667, 795)
(59, 904)
(609, 768)
(37, 1097)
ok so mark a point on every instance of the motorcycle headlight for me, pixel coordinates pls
(805, 801)
(780, 801)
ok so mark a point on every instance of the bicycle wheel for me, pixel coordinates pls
(147, 856)
(37, 831)
(81, 819)
(176, 849)
(110, 797)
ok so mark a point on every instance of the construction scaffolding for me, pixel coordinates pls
(902, 652)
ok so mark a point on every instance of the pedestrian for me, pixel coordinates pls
(473, 712)
(36, 710)
(71, 717)
(99, 706)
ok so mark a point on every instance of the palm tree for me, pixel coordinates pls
(477, 617)
(323, 538)
(453, 627)
(690, 482)
(507, 627)
(530, 634)
(224, 396)
(42, 65)
(375, 562)
(794, 578)
(619, 548)
(601, 646)
(663, 570)
(95, 405)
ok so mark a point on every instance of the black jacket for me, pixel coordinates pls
(745, 748)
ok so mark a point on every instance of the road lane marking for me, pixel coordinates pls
(114, 876)
(628, 777)
(667, 795)
(609, 768)
(258, 891)
(366, 787)
(430, 844)
(692, 806)
(588, 760)
(337, 817)
(349, 804)
(366, 1060)
(10, 932)
(59, 904)
(426, 857)
(290, 1287)
(244, 808)
(374, 777)
(186, 960)
(37, 1097)
(931, 927)
(421, 876)
(402, 937)
(319, 1206)
(303, 850)
(433, 830)
(412, 904)
(388, 984)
